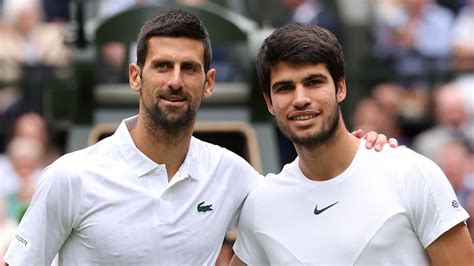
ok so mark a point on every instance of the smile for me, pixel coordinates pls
(302, 117)
(173, 99)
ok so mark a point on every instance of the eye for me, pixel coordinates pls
(189, 68)
(283, 88)
(313, 82)
(161, 66)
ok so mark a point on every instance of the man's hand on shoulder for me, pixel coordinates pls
(375, 140)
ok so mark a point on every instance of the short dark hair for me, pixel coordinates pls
(173, 23)
(299, 43)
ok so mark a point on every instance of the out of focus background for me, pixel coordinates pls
(64, 82)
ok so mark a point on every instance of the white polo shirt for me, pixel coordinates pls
(110, 204)
(386, 208)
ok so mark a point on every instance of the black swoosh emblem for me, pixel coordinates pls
(317, 212)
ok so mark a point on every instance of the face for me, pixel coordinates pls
(172, 82)
(304, 101)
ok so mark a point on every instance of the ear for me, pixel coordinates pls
(268, 100)
(134, 77)
(341, 91)
(210, 81)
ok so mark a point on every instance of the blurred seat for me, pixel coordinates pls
(239, 137)
(225, 27)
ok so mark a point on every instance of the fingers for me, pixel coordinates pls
(359, 133)
(374, 139)
(393, 142)
(380, 142)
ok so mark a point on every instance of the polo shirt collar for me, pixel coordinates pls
(141, 164)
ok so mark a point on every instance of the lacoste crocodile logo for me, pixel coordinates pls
(317, 212)
(204, 208)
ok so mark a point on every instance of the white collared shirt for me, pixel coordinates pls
(110, 204)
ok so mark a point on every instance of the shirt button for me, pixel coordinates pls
(164, 196)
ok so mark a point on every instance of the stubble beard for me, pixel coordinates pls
(327, 132)
(171, 122)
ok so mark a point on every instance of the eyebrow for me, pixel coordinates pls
(156, 61)
(281, 83)
(315, 76)
(188, 62)
(193, 63)
(305, 79)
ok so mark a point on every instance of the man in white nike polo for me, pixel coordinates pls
(338, 203)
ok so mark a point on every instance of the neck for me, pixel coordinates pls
(163, 146)
(329, 159)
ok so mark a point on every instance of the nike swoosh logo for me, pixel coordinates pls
(317, 212)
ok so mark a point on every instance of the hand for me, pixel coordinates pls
(375, 139)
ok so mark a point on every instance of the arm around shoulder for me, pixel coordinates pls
(454, 247)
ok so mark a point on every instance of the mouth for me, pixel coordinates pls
(173, 98)
(173, 101)
(302, 117)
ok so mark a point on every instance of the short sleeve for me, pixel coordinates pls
(247, 246)
(432, 202)
(48, 221)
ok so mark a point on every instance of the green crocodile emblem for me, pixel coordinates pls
(204, 208)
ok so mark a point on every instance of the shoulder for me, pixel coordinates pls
(408, 158)
(414, 172)
(70, 166)
(404, 161)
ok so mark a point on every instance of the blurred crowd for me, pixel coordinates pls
(425, 98)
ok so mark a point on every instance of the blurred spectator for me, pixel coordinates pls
(395, 101)
(34, 126)
(466, 85)
(369, 115)
(25, 156)
(26, 40)
(412, 102)
(451, 123)
(314, 12)
(28, 151)
(386, 10)
(454, 158)
(416, 37)
(463, 40)
(32, 54)
(463, 52)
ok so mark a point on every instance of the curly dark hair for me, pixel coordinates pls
(299, 43)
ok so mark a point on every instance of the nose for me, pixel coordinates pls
(175, 80)
(301, 98)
